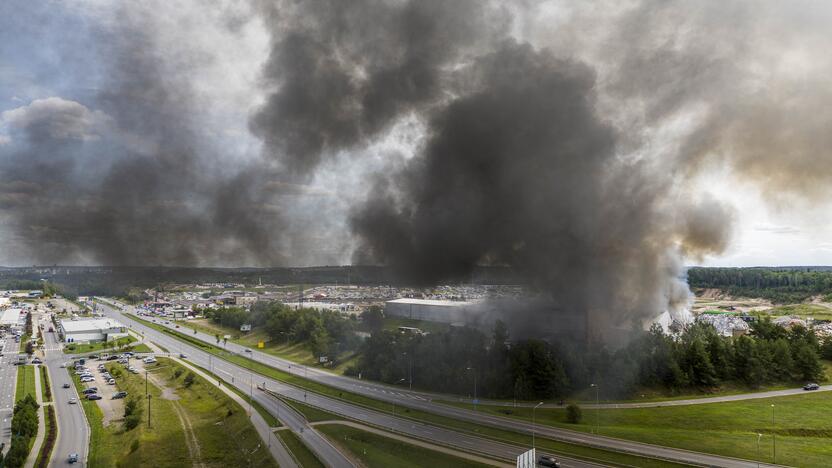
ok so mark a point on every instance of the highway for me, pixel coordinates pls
(73, 432)
(243, 379)
(8, 382)
(422, 401)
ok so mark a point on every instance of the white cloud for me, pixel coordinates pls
(55, 118)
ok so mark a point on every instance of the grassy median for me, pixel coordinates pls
(25, 383)
(800, 423)
(376, 451)
(299, 450)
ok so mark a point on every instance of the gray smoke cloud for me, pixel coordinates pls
(432, 136)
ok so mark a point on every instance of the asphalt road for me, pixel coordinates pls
(244, 379)
(73, 433)
(8, 382)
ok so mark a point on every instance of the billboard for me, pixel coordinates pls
(527, 459)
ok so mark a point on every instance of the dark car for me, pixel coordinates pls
(113, 358)
(119, 395)
(66, 385)
(548, 461)
(811, 386)
(90, 390)
(36, 361)
(73, 458)
(94, 356)
(93, 396)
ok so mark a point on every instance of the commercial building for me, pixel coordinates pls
(102, 329)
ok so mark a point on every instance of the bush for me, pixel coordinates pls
(573, 414)
(134, 446)
(131, 422)
(177, 373)
(189, 379)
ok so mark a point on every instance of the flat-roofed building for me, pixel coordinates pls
(11, 318)
(100, 329)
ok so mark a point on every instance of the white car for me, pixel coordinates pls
(87, 379)
(73, 401)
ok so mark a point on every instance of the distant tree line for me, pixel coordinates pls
(697, 358)
(781, 286)
(49, 288)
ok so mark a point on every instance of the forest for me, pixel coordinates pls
(697, 358)
(779, 285)
(460, 358)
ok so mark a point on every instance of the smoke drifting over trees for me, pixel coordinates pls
(428, 135)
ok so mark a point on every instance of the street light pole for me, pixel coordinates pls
(773, 438)
(759, 436)
(533, 423)
(597, 408)
(475, 386)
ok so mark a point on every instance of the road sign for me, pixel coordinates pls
(261, 344)
(527, 459)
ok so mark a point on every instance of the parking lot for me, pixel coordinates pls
(104, 375)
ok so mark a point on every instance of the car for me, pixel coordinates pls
(546, 460)
(36, 361)
(811, 386)
(183, 356)
(66, 385)
(63, 366)
(72, 401)
(134, 371)
(94, 396)
(87, 379)
(247, 350)
(119, 395)
(90, 390)
(111, 382)
(94, 356)
(73, 458)
(112, 358)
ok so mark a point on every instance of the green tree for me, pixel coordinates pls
(373, 317)
(807, 365)
(573, 414)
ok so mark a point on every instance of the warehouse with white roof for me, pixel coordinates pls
(101, 329)
(11, 318)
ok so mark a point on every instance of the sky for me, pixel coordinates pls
(163, 132)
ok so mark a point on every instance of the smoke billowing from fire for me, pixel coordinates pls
(432, 136)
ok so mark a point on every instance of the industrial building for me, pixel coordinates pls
(102, 329)
(431, 310)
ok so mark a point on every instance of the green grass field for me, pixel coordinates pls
(23, 340)
(299, 450)
(375, 451)
(215, 419)
(163, 444)
(801, 425)
(430, 418)
(25, 382)
(121, 343)
(271, 420)
(226, 437)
